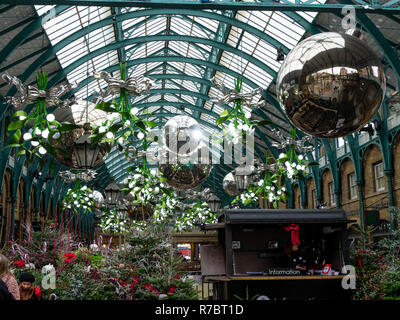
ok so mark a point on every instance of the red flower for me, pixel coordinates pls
(135, 280)
(151, 288)
(171, 290)
(177, 277)
(69, 257)
(38, 292)
(19, 264)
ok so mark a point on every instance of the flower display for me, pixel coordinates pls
(69, 257)
(19, 264)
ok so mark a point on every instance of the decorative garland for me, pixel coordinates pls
(122, 117)
(79, 197)
(38, 129)
(271, 186)
(114, 222)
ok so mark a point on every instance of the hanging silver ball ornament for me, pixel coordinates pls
(185, 171)
(182, 134)
(229, 185)
(98, 198)
(76, 114)
(330, 85)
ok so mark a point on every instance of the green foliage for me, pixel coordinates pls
(79, 198)
(378, 266)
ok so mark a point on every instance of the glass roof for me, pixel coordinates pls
(188, 85)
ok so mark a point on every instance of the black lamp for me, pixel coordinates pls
(85, 153)
(112, 193)
(214, 203)
(243, 177)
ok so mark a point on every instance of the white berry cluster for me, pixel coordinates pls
(114, 222)
(79, 197)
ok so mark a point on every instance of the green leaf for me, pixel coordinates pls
(15, 125)
(221, 120)
(224, 113)
(150, 124)
(12, 145)
(20, 153)
(141, 125)
(115, 127)
(19, 113)
(105, 106)
(67, 126)
(17, 136)
(264, 123)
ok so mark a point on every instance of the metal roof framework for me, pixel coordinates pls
(181, 45)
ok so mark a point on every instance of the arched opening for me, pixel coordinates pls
(5, 227)
(296, 196)
(19, 216)
(348, 187)
(375, 183)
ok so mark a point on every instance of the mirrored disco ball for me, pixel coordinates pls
(185, 171)
(182, 134)
(229, 185)
(330, 85)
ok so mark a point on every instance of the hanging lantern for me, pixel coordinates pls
(112, 193)
(243, 177)
(75, 141)
(214, 203)
(85, 153)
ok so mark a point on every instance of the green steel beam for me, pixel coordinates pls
(311, 5)
(17, 25)
(221, 35)
(119, 34)
(143, 13)
(221, 68)
(25, 32)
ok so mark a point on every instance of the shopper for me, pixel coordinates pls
(8, 277)
(27, 289)
(4, 293)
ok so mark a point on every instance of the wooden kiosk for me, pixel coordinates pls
(251, 256)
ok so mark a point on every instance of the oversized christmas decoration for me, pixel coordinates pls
(185, 171)
(182, 134)
(229, 185)
(330, 85)
(76, 142)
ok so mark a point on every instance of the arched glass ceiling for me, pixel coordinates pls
(181, 50)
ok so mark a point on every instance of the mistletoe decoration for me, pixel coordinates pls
(239, 121)
(123, 125)
(114, 222)
(79, 197)
(33, 133)
(145, 185)
(181, 216)
(271, 184)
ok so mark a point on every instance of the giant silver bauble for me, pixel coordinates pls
(229, 185)
(185, 171)
(76, 114)
(182, 134)
(98, 199)
(330, 85)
